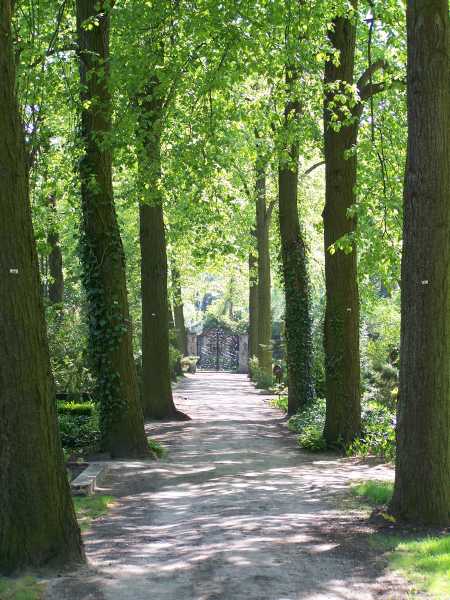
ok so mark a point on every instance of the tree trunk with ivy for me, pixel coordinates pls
(252, 305)
(264, 325)
(178, 312)
(341, 335)
(422, 481)
(37, 519)
(157, 398)
(102, 251)
(295, 274)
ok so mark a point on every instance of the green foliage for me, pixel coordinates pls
(377, 437)
(174, 362)
(76, 409)
(309, 423)
(67, 336)
(234, 326)
(158, 449)
(79, 433)
(374, 492)
(221, 75)
(261, 379)
(88, 508)
(189, 364)
(24, 588)
(380, 350)
(280, 402)
(378, 433)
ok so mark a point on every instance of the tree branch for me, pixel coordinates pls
(313, 168)
(369, 72)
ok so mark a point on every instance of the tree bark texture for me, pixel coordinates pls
(422, 484)
(178, 312)
(102, 251)
(157, 401)
(295, 275)
(55, 262)
(341, 335)
(253, 305)
(37, 520)
(264, 324)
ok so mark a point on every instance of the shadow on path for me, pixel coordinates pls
(235, 511)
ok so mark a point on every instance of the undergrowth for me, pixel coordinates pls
(158, 449)
(374, 492)
(88, 508)
(377, 429)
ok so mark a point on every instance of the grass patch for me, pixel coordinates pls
(280, 402)
(374, 492)
(89, 508)
(426, 562)
(158, 449)
(25, 588)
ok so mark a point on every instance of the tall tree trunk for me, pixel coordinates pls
(55, 263)
(341, 336)
(252, 305)
(295, 275)
(37, 520)
(422, 483)
(170, 318)
(264, 348)
(157, 401)
(102, 252)
(178, 312)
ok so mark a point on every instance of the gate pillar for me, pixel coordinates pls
(243, 354)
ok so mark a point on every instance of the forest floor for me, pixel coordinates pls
(235, 510)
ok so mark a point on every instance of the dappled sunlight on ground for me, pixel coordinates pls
(235, 510)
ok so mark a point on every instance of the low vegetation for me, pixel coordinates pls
(79, 427)
(158, 450)
(423, 559)
(25, 588)
(377, 436)
(426, 562)
(374, 492)
(88, 508)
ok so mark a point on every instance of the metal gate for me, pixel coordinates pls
(218, 350)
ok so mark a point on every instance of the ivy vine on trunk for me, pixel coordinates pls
(102, 253)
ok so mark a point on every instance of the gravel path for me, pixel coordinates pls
(235, 511)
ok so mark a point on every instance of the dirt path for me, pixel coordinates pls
(235, 511)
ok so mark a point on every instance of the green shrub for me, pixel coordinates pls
(174, 362)
(76, 408)
(261, 379)
(382, 385)
(222, 321)
(158, 449)
(68, 342)
(281, 402)
(79, 433)
(378, 433)
(309, 424)
(377, 436)
(189, 364)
